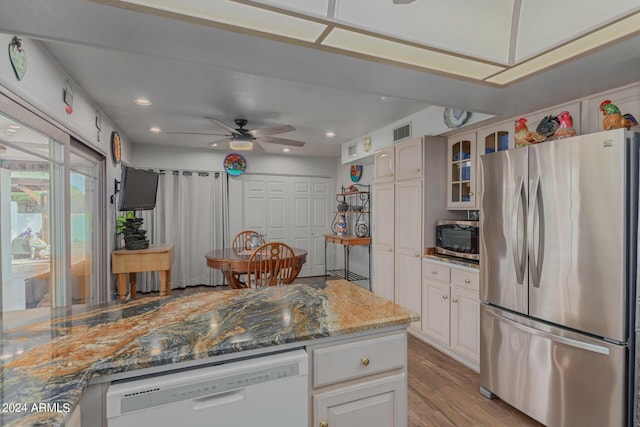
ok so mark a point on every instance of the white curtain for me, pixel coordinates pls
(192, 213)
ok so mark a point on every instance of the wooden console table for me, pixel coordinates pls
(129, 262)
(347, 242)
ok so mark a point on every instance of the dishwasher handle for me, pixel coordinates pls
(218, 399)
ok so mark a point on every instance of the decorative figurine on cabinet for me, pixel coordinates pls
(565, 129)
(523, 136)
(612, 117)
(548, 126)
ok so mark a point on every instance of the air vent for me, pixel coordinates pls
(352, 150)
(402, 132)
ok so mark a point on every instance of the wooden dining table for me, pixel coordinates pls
(233, 264)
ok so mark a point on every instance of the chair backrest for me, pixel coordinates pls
(272, 264)
(241, 241)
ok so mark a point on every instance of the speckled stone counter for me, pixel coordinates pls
(452, 260)
(47, 361)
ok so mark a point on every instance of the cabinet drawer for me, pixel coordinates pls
(437, 272)
(343, 362)
(466, 279)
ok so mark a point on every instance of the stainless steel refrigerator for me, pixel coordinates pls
(558, 256)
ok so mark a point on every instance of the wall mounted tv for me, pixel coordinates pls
(138, 189)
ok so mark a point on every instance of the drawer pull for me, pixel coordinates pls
(323, 423)
(455, 300)
(467, 281)
(444, 297)
(365, 361)
(418, 170)
(434, 272)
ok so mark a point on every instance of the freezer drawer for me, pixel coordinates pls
(557, 377)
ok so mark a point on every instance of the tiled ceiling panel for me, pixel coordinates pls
(545, 24)
(476, 28)
(308, 7)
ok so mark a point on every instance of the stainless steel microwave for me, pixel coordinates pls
(458, 238)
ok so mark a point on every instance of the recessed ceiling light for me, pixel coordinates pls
(330, 134)
(143, 101)
(214, 144)
(10, 129)
(286, 150)
(155, 129)
(14, 127)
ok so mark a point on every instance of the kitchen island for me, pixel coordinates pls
(50, 357)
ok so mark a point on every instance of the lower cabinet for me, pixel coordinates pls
(360, 382)
(451, 311)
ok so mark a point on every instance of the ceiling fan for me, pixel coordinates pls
(244, 139)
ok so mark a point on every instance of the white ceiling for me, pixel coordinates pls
(324, 65)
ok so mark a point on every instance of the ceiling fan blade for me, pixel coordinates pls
(272, 130)
(282, 141)
(196, 133)
(257, 148)
(222, 124)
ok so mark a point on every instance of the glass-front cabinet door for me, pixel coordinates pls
(461, 160)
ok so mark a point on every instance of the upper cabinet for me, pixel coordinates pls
(461, 175)
(627, 99)
(384, 165)
(409, 159)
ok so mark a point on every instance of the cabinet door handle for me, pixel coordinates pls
(444, 297)
(434, 272)
(323, 423)
(471, 193)
(390, 250)
(364, 360)
(467, 281)
(417, 255)
(454, 299)
(417, 169)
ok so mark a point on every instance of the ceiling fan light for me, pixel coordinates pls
(241, 145)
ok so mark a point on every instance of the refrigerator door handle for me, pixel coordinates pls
(536, 207)
(556, 338)
(519, 259)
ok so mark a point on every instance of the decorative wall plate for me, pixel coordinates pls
(116, 147)
(455, 118)
(362, 230)
(235, 164)
(356, 172)
(18, 57)
(366, 143)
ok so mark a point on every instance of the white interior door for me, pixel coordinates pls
(321, 202)
(293, 210)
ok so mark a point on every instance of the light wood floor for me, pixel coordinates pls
(442, 391)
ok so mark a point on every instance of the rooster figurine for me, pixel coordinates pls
(525, 137)
(565, 129)
(612, 117)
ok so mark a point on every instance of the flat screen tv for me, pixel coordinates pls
(138, 189)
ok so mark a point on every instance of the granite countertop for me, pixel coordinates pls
(452, 260)
(48, 357)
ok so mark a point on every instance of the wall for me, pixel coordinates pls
(429, 121)
(41, 89)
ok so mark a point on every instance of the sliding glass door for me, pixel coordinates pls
(51, 243)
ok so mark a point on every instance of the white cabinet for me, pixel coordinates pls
(384, 161)
(408, 245)
(398, 222)
(461, 179)
(360, 382)
(408, 159)
(451, 311)
(627, 99)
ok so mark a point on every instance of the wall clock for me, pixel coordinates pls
(366, 143)
(455, 118)
(116, 147)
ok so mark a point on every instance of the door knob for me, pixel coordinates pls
(467, 281)
(365, 361)
(323, 423)
(455, 300)
(444, 297)
(434, 272)
(417, 169)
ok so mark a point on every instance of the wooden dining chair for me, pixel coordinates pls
(272, 264)
(241, 241)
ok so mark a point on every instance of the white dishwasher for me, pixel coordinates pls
(267, 390)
